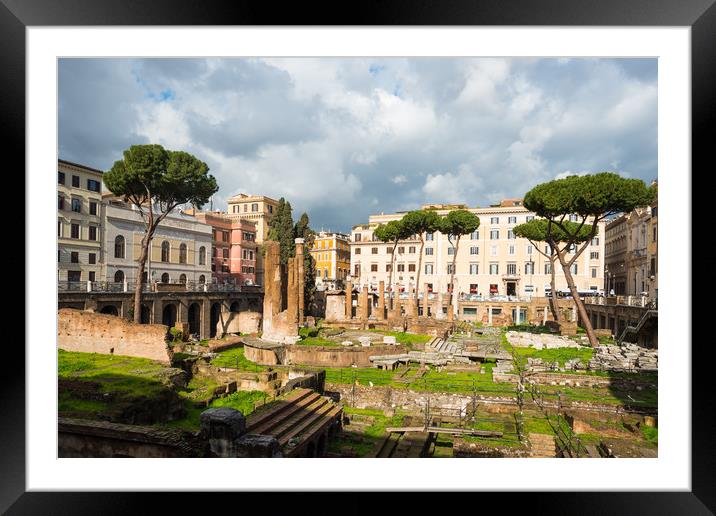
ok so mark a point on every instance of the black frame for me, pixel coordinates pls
(700, 15)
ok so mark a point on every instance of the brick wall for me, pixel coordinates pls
(91, 332)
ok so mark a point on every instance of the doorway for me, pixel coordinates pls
(511, 288)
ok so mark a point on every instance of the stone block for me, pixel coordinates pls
(222, 423)
(364, 341)
(389, 339)
(253, 445)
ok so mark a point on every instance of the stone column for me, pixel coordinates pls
(363, 303)
(182, 312)
(426, 300)
(272, 284)
(544, 316)
(489, 315)
(205, 329)
(381, 300)
(292, 292)
(349, 300)
(157, 311)
(301, 280)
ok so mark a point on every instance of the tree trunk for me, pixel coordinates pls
(138, 279)
(420, 264)
(593, 341)
(553, 299)
(390, 276)
(453, 304)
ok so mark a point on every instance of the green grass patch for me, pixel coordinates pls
(650, 433)
(317, 341)
(240, 400)
(402, 337)
(235, 358)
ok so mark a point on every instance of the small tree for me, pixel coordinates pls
(536, 231)
(418, 222)
(456, 224)
(156, 181)
(281, 230)
(394, 232)
(590, 199)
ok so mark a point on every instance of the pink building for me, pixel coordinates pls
(233, 247)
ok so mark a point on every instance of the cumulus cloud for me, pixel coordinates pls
(342, 138)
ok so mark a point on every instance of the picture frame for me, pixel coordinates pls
(16, 16)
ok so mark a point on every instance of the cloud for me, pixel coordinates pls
(342, 138)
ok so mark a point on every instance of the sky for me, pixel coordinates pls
(344, 138)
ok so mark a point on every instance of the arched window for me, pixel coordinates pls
(202, 278)
(202, 255)
(165, 252)
(182, 279)
(119, 247)
(118, 277)
(182, 253)
(165, 278)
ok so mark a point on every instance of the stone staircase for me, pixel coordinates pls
(294, 419)
(542, 445)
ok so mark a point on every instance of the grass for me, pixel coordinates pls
(234, 357)
(317, 341)
(402, 337)
(650, 433)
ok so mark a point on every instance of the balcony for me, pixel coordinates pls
(511, 277)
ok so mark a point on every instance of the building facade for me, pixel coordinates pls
(179, 251)
(615, 259)
(258, 209)
(332, 255)
(234, 249)
(79, 223)
(653, 251)
(491, 261)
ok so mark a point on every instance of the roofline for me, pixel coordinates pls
(79, 166)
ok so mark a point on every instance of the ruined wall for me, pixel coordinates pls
(239, 322)
(335, 307)
(91, 332)
(261, 356)
(332, 356)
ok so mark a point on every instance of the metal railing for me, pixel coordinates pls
(639, 301)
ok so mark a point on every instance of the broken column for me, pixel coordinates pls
(363, 303)
(349, 299)
(291, 291)
(301, 279)
(395, 310)
(272, 287)
(381, 301)
(426, 300)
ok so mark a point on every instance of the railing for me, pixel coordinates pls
(128, 286)
(639, 301)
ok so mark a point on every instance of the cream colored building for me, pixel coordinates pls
(653, 252)
(259, 209)
(180, 250)
(79, 224)
(491, 261)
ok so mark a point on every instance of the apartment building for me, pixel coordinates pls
(615, 259)
(179, 251)
(79, 223)
(490, 261)
(652, 250)
(233, 250)
(331, 252)
(258, 209)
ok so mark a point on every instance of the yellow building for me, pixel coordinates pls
(79, 224)
(331, 252)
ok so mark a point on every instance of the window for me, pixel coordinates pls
(75, 231)
(373, 238)
(373, 250)
(494, 268)
(528, 218)
(401, 267)
(165, 253)
(77, 205)
(653, 234)
(511, 268)
(388, 268)
(254, 207)
(357, 250)
(495, 234)
(428, 268)
(356, 269)
(119, 277)
(74, 275)
(165, 278)
(573, 218)
(594, 255)
(224, 253)
(182, 278)
(573, 268)
(224, 236)
(474, 250)
(428, 236)
(473, 290)
(373, 267)
(411, 267)
(92, 275)
(529, 249)
(510, 234)
(451, 250)
(202, 279)
(270, 209)
(119, 246)
(388, 250)
(428, 251)
(475, 235)
(494, 220)
(512, 220)
(511, 250)
(411, 249)
(529, 288)
(76, 181)
(450, 269)
(182, 253)
(493, 250)
(202, 255)
(652, 267)
(74, 257)
(473, 268)
(60, 178)
(93, 208)
(595, 241)
(356, 237)
(529, 267)
(60, 202)
(548, 268)
(401, 250)
(59, 228)
(93, 185)
(594, 272)
(246, 208)
(93, 233)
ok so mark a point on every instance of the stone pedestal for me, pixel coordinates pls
(349, 299)
(363, 304)
(381, 301)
